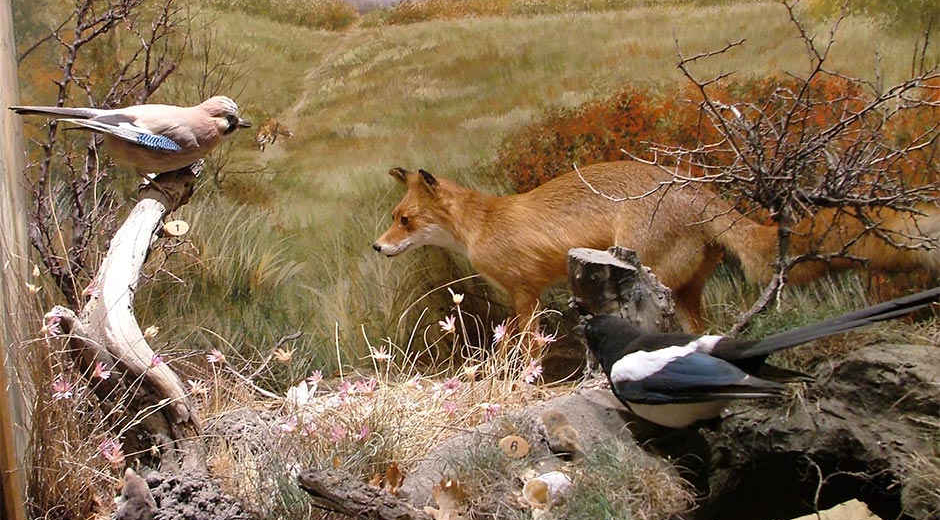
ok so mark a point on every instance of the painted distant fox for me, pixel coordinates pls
(903, 228)
(520, 242)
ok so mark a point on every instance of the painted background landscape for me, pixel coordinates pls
(499, 95)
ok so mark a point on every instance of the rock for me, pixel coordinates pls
(851, 510)
(136, 502)
(192, 497)
(853, 429)
(594, 416)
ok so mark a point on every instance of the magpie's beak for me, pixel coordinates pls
(243, 123)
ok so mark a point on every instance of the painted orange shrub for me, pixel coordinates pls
(596, 132)
(633, 118)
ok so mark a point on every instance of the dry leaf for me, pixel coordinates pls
(442, 514)
(337, 462)
(393, 478)
(514, 446)
(283, 355)
(450, 497)
(376, 480)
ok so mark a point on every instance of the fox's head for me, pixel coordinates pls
(423, 217)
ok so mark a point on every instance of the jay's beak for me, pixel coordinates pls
(243, 123)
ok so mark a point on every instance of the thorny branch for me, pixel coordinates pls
(809, 148)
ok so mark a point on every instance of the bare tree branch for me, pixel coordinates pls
(821, 143)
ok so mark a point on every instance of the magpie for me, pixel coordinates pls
(675, 380)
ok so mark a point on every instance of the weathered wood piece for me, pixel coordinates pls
(614, 282)
(339, 491)
(106, 332)
(13, 256)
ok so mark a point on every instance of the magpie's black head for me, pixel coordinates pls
(607, 337)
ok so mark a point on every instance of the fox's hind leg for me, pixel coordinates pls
(689, 296)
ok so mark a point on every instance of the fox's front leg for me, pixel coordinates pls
(526, 303)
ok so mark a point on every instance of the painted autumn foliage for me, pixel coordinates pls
(635, 117)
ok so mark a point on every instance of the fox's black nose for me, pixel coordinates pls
(377, 247)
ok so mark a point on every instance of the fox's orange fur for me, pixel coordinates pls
(520, 242)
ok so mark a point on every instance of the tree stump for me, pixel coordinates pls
(141, 390)
(614, 282)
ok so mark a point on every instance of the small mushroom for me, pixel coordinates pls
(546, 489)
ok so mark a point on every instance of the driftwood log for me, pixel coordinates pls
(147, 394)
(614, 282)
(337, 490)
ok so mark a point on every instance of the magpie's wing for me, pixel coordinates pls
(684, 375)
(128, 131)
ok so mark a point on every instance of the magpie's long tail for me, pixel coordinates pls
(881, 312)
(58, 112)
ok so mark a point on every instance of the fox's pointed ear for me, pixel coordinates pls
(399, 173)
(428, 179)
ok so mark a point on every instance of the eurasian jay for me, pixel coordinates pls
(154, 138)
(676, 379)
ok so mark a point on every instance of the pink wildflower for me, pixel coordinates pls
(532, 372)
(215, 356)
(156, 360)
(112, 451)
(490, 410)
(542, 339)
(288, 425)
(61, 388)
(337, 433)
(381, 355)
(197, 387)
(499, 332)
(414, 383)
(51, 325)
(345, 388)
(451, 385)
(448, 324)
(315, 377)
(100, 372)
(450, 407)
(367, 386)
(364, 432)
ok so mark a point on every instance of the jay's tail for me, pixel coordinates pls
(58, 112)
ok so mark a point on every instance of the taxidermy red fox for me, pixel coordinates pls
(520, 242)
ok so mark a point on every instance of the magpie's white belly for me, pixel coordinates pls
(678, 415)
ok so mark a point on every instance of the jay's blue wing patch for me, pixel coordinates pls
(128, 132)
(695, 377)
(158, 143)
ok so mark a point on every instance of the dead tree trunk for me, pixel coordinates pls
(106, 331)
(339, 491)
(614, 282)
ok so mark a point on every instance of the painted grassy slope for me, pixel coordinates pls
(442, 94)
(439, 95)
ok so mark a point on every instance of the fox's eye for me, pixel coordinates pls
(404, 220)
